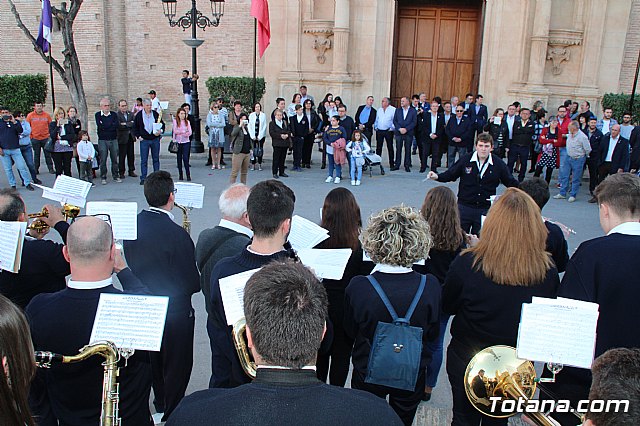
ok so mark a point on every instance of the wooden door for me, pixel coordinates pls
(436, 51)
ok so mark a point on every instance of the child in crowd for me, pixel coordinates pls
(334, 144)
(86, 154)
(358, 147)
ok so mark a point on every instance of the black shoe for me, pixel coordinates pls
(593, 200)
(324, 166)
(30, 187)
(414, 152)
(51, 171)
(141, 182)
(381, 171)
(426, 396)
(407, 169)
(393, 169)
(133, 174)
(284, 175)
(422, 170)
(209, 163)
(37, 181)
(222, 163)
(13, 187)
(276, 177)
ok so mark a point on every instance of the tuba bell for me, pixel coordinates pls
(110, 387)
(240, 342)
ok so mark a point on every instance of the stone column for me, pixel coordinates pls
(539, 41)
(341, 37)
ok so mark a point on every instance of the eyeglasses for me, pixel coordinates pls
(459, 110)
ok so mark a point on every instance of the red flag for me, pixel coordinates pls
(260, 11)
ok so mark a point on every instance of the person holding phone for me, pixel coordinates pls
(10, 130)
(63, 135)
(241, 148)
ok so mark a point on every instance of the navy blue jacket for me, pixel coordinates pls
(464, 131)
(107, 126)
(595, 140)
(138, 126)
(10, 134)
(620, 158)
(634, 141)
(474, 191)
(372, 118)
(480, 118)
(557, 246)
(43, 269)
(61, 322)
(408, 123)
(163, 257)
(426, 126)
(284, 397)
(299, 129)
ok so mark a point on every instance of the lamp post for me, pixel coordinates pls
(194, 19)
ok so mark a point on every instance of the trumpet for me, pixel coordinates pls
(69, 211)
(240, 342)
(110, 389)
(495, 375)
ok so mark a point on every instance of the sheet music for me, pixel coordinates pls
(560, 331)
(11, 241)
(51, 194)
(130, 321)
(71, 186)
(326, 263)
(189, 194)
(306, 234)
(232, 292)
(124, 217)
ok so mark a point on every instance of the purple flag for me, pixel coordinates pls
(44, 32)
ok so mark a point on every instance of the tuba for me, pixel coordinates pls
(186, 223)
(240, 342)
(505, 377)
(110, 387)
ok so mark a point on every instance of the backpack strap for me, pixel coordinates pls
(383, 296)
(387, 303)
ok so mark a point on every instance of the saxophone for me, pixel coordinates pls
(186, 223)
(110, 386)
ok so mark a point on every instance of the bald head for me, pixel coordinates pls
(615, 130)
(233, 201)
(89, 240)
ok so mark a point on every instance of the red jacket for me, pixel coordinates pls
(558, 142)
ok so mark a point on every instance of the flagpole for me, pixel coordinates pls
(255, 54)
(53, 93)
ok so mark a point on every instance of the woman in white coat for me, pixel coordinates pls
(215, 129)
(257, 131)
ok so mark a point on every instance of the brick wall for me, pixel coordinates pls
(631, 50)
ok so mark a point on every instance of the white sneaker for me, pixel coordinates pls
(336, 180)
(353, 182)
(357, 183)
(571, 199)
(559, 197)
(328, 179)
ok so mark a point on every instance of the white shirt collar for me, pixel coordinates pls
(105, 115)
(236, 227)
(474, 157)
(626, 228)
(390, 269)
(89, 285)
(156, 209)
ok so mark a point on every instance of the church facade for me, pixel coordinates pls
(508, 50)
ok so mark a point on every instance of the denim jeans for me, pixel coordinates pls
(110, 147)
(451, 154)
(37, 145)
(27, 154)
(147, 145)
(436, 348)
(353, 168)
(16, 155)
(332, 165)
(563, 163)
(574, 166)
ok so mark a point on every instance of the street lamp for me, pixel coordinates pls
(194, 19)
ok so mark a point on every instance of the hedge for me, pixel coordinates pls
(235, 88)
(619, 102)
(20, 92)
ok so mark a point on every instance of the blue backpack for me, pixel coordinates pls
(394, 360)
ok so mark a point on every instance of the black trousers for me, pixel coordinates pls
(404, 403)
(182, 158)
(471, 218)
(403, 141)
(126, 151)
(307, 148)
(604, 170)
(547, 174)
(279, 155)
(171, 367)
(339, 353)
(464, 413)
(518, 152)
(420, 139)
(62, 162)
(592, 165)
(298, 143)
(431, 147)
(383, 136)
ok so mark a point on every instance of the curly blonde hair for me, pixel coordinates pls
(397, 236)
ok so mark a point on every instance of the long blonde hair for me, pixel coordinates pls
(512, 250)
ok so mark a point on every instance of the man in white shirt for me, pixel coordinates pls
(578, 149)
(510, 119)
(384, 129)
(305, 96)
(155, 102)
(605, 123)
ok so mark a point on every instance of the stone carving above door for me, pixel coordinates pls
(321, 31)
(558, 49)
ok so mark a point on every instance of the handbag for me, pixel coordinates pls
(50, 145)
(257, 151)
(396, 349)
(173, 147)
